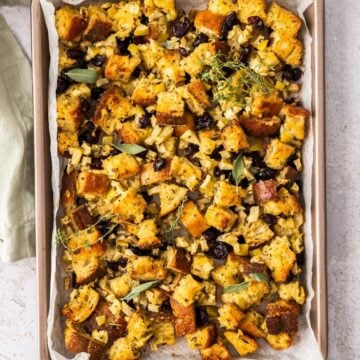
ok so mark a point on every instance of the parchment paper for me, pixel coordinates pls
(305, 345)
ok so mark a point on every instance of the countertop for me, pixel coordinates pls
(17, 281)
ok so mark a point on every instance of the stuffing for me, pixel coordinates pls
(139, 329)
(66, 141)
(92, 184)
(121, 167)
(129, 206)
(230, 316)
(187, 291)
(169, 109)
(251, 324)
(76, 340)
(188, 124)
(209, 23)
(281, 341)
(227, 195)
(292, 291)
(68, 188)
(256, 233)
(196, 89)
(277, 153)
(168, 7)
(81, 217)
(185, 320)
(123, 349)
(220, 218)
(121, 67)
(164, 334)
(248, 8)
(202, 266)
(122, 285)
(287, 48)
(149, 176)
(266, 105)
(69, 23)
(178, 261)
(202, 338)
(222, 7)
(84, 238)
(146, 91)
(233, 137)
(293, 129)
(169, 67)
(145, 268)
(243, 344)
(146, 232)
(260, 127)
(185, 172)
(130, 133)
(99, 25)
(286, 204)
(193, 220)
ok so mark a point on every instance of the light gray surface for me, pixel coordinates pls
(17, 281)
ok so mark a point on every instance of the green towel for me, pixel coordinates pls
(17, 224)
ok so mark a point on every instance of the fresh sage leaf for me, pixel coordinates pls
(87, 76)
(259, 277)
(238, 169)
(131, 149)
(236, 288)
(140, 289)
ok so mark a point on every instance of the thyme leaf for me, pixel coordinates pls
(169, 231)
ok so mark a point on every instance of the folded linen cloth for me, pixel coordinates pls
(17, 219)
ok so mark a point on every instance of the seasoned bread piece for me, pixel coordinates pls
(139, 329)
(188, 124)
(76, 340)
(168, 7)
(193, 220)
(145, 268)
(227, 195)
(177, 260)
(68, 188)
(233, 137)
(243, 344)
(123, 349)
(69, 23)
(248, 8)
(264, 191)
(187, 291)
(185, 172)
(260, 127)
(196, 89)
(99, 25)
(121, 67)
(170, 109)
(130, 206)
(281, 341)
(169, 67)
(146, 233)
(130, 132)
(251, 324)
(222, 7)
(146, 91)
(92, 184)
(266, 105)
(220, 218)
(277, 153)
(215, 352)
(164, 334)
(81, 217)
(122, 166)
(202, 266)
(209, 23)
(292, 291)
(66, 141)
(185, 320)
(149, 176)
(122, 285)
(293, 129)
(202, 338)
(83, 239)
(287, 48)
(287, 204)
(230, 316)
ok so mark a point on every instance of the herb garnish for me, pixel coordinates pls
(139, 289)
(169, 232)
(87, 76)
(132, 149)
(238, 169)
(259, 277)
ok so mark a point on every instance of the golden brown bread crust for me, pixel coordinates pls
(178, 261)
(68, 188)
(208, 22)
(261, 127)
(193, 220)
(185, 321)
(92, 184)
(82, 217)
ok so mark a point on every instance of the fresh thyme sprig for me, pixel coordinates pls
(169, 231)
(234, 88)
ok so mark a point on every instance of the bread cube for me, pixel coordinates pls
(286, 204)
(187, 291)
(277, 154)
(146, 232)
(68, 188)
(283, 20)
(188, 124)
(264, 191)
(84, 238)
(227, 195)
(185, 320)
(260, 127)
(243, 344)
(140, 329)
(209, 23)
(146, 91)
(193, 220)
(287, 48)
(122, 166)
(121, 67)
(196, 89)
(293, 129)
(164, 334)
(215, 352)
(233, 137)
(130, 133)
(99, 25)
(177, 261)
(185, 172)
(149, 176)
(230, 316)
(92, 184)
(202, 338)
(81, 217)
(170, 109)
(145, 268)
(292, 291)
(209, 140)
(281, 341)
(266, 105)
(220, 218)
(222, 7)
(251, 324)
(169, 67)
(202, 266)
(122, 285)
(168, 7)
(66, 141)
(248, 8)
(123, 349)
(130, 206)
(279, 258)
(69, 23)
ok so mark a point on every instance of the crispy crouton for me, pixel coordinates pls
(69, 23)
(81, 304)
(202, 338)
(149, 176)
(286, 204)
(227, 194)
(293, 129)
(215, 352)
(130, 133)
(277, 153)
(193, 220)
(209, 140)
(185, 172)
(76, 340)
(92, 184)
(283, 20)
(282, 317)
(66, 140)
(169, 67)
(279, 257)
(99, 25)
(145, 268)
(281, 341)
(243, 344)
(209, 23)
(268, 105)
(130, 206)
(292, 291)
(222, 7)
(251, 324)
(230, 316)
(82, 217)
(220, 218)
(170, 109)
(164, 334)
(264, 191)
(139, 329)
(84, 238)
(168, 7)
(122, 285)
(187, 291)
(123, 349)
(188, 124)
(146, 232)
(248, 8)
(146, 91)
(233, 137)
(122, 166)
(287, 48)
(185, 320)
(178, 261)
(121, 67)
(202, 266)
(68, 188)
(196, 89)
(260, 127)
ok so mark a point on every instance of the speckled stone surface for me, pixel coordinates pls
(17, 281)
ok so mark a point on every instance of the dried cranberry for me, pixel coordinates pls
(244, 183)
(217, 171)
(296, 74)
(300, 258)
(113, 265)
(291, 74)
(159, 164)
(202, 317)
(191, 149)
(139, 252)
(106, 228)
(289, 101)
(183, 52)
(180, 27)
(81, 64)
(144, 19)
(265, 174)
(80, 201)
(75, 54)
(196, 161)
(96, 93)
(123, 262)
(241, 240)
(86, 108)
(145, 121)
(230, 21)
(148, 198)
(211, 234)
(96, 164)
(62, 85)
(98, 60)
(204, 122)
(137, 40)
(136, 73)
(257, 160)
(245, 54)
(200, 39)
(257, 22)
(123, 45)
(216, 153)
(74, 284)
(269, 219)
(219, 251)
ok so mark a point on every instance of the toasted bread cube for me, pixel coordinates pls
(140, 329)
(202, 266)
(293, 129)
(81, 305)
(283, 20)
(68, 188)
(222, 7)
(215, 352)
(169, 67)
(233, 137)
(164, 334)
(287, 204)
(67, 140)
(145, 268)
(279, 257)
(92, 184)
(243, 344)
(147, 231)
(202, 338)
(69, 23)
(146, 91)
(185, 320)
(264, 191)
(177, 261)
(268, 105)
(122, 285)
(209, 140)
(123, 349)
(209, 23)
(121, 67)
(130, 206)
(230, 316)
(188, 124)
(292, 291)
(227, 195)
(130, 133)
(196, 89)
(187, 291)
(84, 238)
(260, 127)
(170, 109)
(248, 8)
(81, 217)
(282, 317)
(170, 195)
(193, 220)
(76, 340)
(287, 48)
(277, 153)
(185, 172)
(149, 176)
(87, 264)
(251, 324)
(112, 108)
(220, 218)
(281, 341)
(168, 7)
(122, 166)
(99, 25)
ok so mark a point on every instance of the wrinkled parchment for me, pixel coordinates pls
(305, 345)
